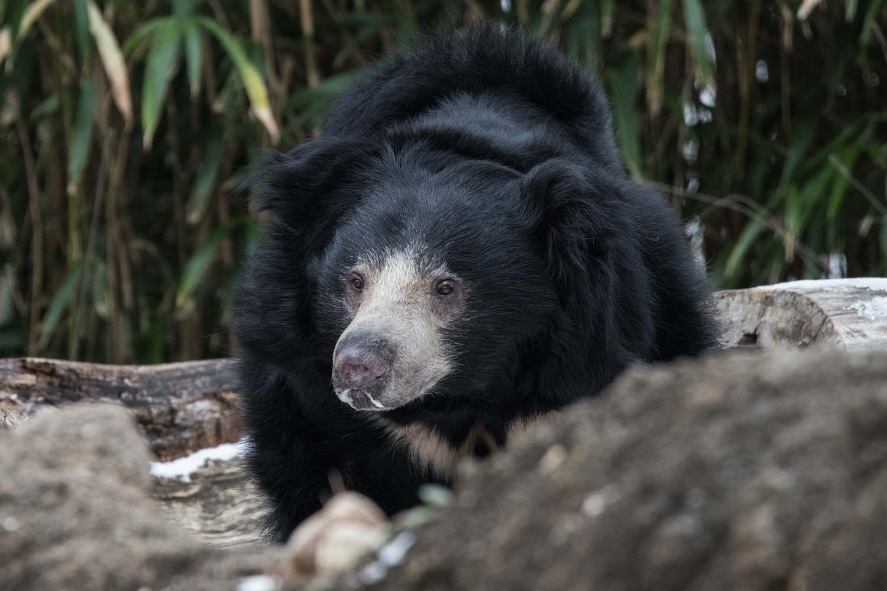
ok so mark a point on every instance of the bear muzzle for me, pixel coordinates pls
(362, 371)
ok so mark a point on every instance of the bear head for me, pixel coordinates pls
(406, 274)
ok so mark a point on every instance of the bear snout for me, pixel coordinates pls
(361, 370)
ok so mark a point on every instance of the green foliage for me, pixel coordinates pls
(127, 127)
(694, 18)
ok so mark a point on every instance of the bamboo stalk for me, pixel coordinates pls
(312, 70)
(36, 216)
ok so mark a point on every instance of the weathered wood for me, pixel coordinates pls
(848, 314)
(181, 407)
(218, 503)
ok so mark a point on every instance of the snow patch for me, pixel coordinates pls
(182, 468)
(873, 309)
(258, 583)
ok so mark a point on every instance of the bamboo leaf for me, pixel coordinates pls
(869, 22)
(249, 76)
(47, 108)
(846, 159)
(32, 13)
(11, 13)
(324, 94)
(206, 178)
(202, 259)
(624, 90)
(83, 129)
(694, 19)
(659, 31)
(100, 289)
(745, 242)
(81, 31)
(608, 10)
(112, 61)
(29, 17)
(583, 35)
(59, 303)
(794, 221)
(799, 142)
(182, 7)
(806, 8)
(193, 51)
(5, 43)
(160, 67)
(145, 31)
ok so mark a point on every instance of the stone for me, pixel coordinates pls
(75, 508)
(744, 470)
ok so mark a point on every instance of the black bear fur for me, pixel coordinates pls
(497, 154)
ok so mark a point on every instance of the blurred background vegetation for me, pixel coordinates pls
(126, 125)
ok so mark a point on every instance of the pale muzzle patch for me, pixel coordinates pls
(393, 352)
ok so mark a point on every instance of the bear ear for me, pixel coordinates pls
(570, 209)
(299, 187)
(568, 201)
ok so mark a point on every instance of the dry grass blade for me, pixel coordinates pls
(5, 42)
(32, 13)
(249, 75)
(307, 18)
(113, 62)
(806, 8)
(659, 25)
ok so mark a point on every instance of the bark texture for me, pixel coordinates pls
(849, 314)
(180, 407)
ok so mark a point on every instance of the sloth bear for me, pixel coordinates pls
(458, 254)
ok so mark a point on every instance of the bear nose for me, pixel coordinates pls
(357, 367)
(362, 365)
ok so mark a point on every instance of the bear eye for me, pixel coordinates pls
(444, 288)
(356, 282)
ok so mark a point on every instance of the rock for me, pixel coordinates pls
(75, 509)
(336, 538)
(76, 512)
(743, 470)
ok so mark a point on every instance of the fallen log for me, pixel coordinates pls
(849, 314)
(215, 500)
(180, 407)
(183, 407)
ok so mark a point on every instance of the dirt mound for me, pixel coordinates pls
(741, 471)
